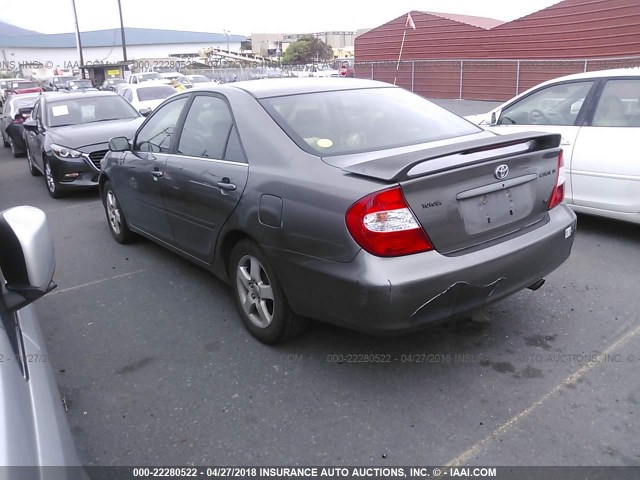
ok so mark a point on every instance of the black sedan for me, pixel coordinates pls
(68, 134)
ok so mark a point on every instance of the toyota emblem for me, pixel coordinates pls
(501, 171)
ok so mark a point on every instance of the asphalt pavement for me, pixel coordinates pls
(157, 369)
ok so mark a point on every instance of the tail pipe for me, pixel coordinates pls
(536, 285)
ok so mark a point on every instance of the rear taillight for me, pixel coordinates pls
(383, 225)
(558, 190)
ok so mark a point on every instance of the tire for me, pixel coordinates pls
(115, 217)
(50, 182)
(13, 150)
(259, 298)
(32, 168)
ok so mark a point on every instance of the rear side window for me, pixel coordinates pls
(352, 121)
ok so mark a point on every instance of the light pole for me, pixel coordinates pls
(124, 43)
(226, 32)
(78, 40)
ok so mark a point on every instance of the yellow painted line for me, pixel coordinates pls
(475, 449)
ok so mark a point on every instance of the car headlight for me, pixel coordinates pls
(64, 152)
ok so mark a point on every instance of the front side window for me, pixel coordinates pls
(553, 105)
(619, 105)
(351, 121)
(208, 129)
(126, 94)
(157, 133)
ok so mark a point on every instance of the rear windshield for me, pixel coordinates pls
(198, 79)
(150, 76)
(20, 102)
(354, 121)
(159, 92)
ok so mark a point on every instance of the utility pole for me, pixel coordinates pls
(78, 40)
(226, 32)
(124, 43)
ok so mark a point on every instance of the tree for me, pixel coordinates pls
(308, 49)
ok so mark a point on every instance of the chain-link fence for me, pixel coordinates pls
(481, 79)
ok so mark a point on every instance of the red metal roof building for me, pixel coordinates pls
(568, 33)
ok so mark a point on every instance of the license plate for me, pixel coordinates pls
(496, 209)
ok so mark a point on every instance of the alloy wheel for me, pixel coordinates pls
(113, 213)
(48, 174)
(255, 291)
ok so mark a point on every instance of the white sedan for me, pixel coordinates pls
(598, 116)
(146, 96)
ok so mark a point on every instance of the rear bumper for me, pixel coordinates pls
(379, 295)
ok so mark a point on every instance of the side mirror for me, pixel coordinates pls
(119, 144)
(27, 259)
(30, 125)
(495, 115)
(145, 112)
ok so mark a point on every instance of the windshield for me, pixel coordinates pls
(352, 121)
(198, 79)
(73, 85)
(159, 92)
(88, 109)
(151, 76)
(21, 85)
(62, 80)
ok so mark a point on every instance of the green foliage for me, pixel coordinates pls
(308, 49)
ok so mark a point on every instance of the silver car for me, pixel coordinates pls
(33, 427)
(356, 203)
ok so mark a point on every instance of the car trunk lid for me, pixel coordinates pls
(466, 194)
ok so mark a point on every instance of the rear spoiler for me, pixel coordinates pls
(396, 167)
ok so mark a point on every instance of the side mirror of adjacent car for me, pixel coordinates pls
(145, 112)
(119, 144)
(30, 125)
(27, 259)
(495, 116)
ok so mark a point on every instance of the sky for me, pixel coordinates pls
(245, 17)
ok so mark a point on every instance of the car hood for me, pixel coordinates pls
(478, 119)
(88, 134)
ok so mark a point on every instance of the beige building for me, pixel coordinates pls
(275, 44)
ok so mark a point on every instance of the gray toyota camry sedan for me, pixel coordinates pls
(356, 203)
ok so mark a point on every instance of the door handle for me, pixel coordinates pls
(157, 173)
(225, 184)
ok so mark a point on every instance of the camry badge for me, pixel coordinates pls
(501, 171)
